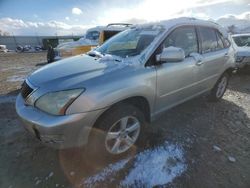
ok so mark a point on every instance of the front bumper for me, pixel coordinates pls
(57, 131)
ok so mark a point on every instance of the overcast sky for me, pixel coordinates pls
(51, 17)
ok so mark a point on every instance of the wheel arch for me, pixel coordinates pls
(138, 101)
(229, 71)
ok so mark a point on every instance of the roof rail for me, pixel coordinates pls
(119, 24)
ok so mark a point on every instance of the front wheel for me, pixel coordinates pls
(219, 89)
(117, 131)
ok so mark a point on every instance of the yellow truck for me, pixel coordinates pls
(93, 37)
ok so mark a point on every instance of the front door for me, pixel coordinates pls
(176, 81)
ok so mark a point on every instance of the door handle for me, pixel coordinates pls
(198, 63)
(226, 55)
(198, 58)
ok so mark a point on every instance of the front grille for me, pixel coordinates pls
(26, 90)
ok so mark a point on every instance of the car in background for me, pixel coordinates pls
(106, 98)
(241, 45)
(3, 48)
(28, 48)
(94, 37)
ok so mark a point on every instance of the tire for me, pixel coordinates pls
(19, 49)
(104, 135)
(50, 54)
(219, 89)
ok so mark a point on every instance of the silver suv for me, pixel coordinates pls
(105, 97)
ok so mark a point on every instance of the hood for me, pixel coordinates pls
(72, 72)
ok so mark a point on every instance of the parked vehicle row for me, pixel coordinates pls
(241, 45)
(29, 48)
(94, 37)
(129, 80)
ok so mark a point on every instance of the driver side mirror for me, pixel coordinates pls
(171, 54)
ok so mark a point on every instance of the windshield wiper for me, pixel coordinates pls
(95, 54)
(110, 57)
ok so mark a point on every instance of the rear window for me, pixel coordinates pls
(220, 41)
(225, 41)
(208, 39)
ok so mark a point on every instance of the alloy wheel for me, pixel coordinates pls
(122, 135)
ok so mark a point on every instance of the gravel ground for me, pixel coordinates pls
(196, 144)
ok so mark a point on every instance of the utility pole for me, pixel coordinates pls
(14, 39)
(38, 39)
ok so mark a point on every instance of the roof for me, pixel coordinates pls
(242, 34)
(97, 28)
(112, 27)
(168, 24)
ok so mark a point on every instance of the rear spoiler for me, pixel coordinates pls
(119, 24)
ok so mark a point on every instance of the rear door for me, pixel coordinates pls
(214, 56)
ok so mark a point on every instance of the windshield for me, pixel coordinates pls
(242, 41)
(130, 42)
(93, 35)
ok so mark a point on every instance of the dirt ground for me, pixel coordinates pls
(196, 144)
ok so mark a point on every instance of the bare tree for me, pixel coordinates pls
(4, 33)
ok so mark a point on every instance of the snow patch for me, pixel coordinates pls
(16, 78)
(12, 68)
(152, 167)
(157, 166)
(105, 173)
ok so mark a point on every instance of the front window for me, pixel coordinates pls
(185, 38)
(242, 41)
(130, 42)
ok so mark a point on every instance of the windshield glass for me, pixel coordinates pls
(92, 35)
(242, 41)
(130, 42)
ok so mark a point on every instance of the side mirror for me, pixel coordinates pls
(171, 54)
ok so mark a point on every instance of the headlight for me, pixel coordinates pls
(56, 103)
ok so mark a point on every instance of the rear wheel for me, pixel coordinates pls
(116, 132)
(219, 88)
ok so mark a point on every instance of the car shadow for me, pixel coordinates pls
(41, 64)
(14, 92)
(194, 126)
(244, 80)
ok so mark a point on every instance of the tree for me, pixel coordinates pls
(4, 33)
